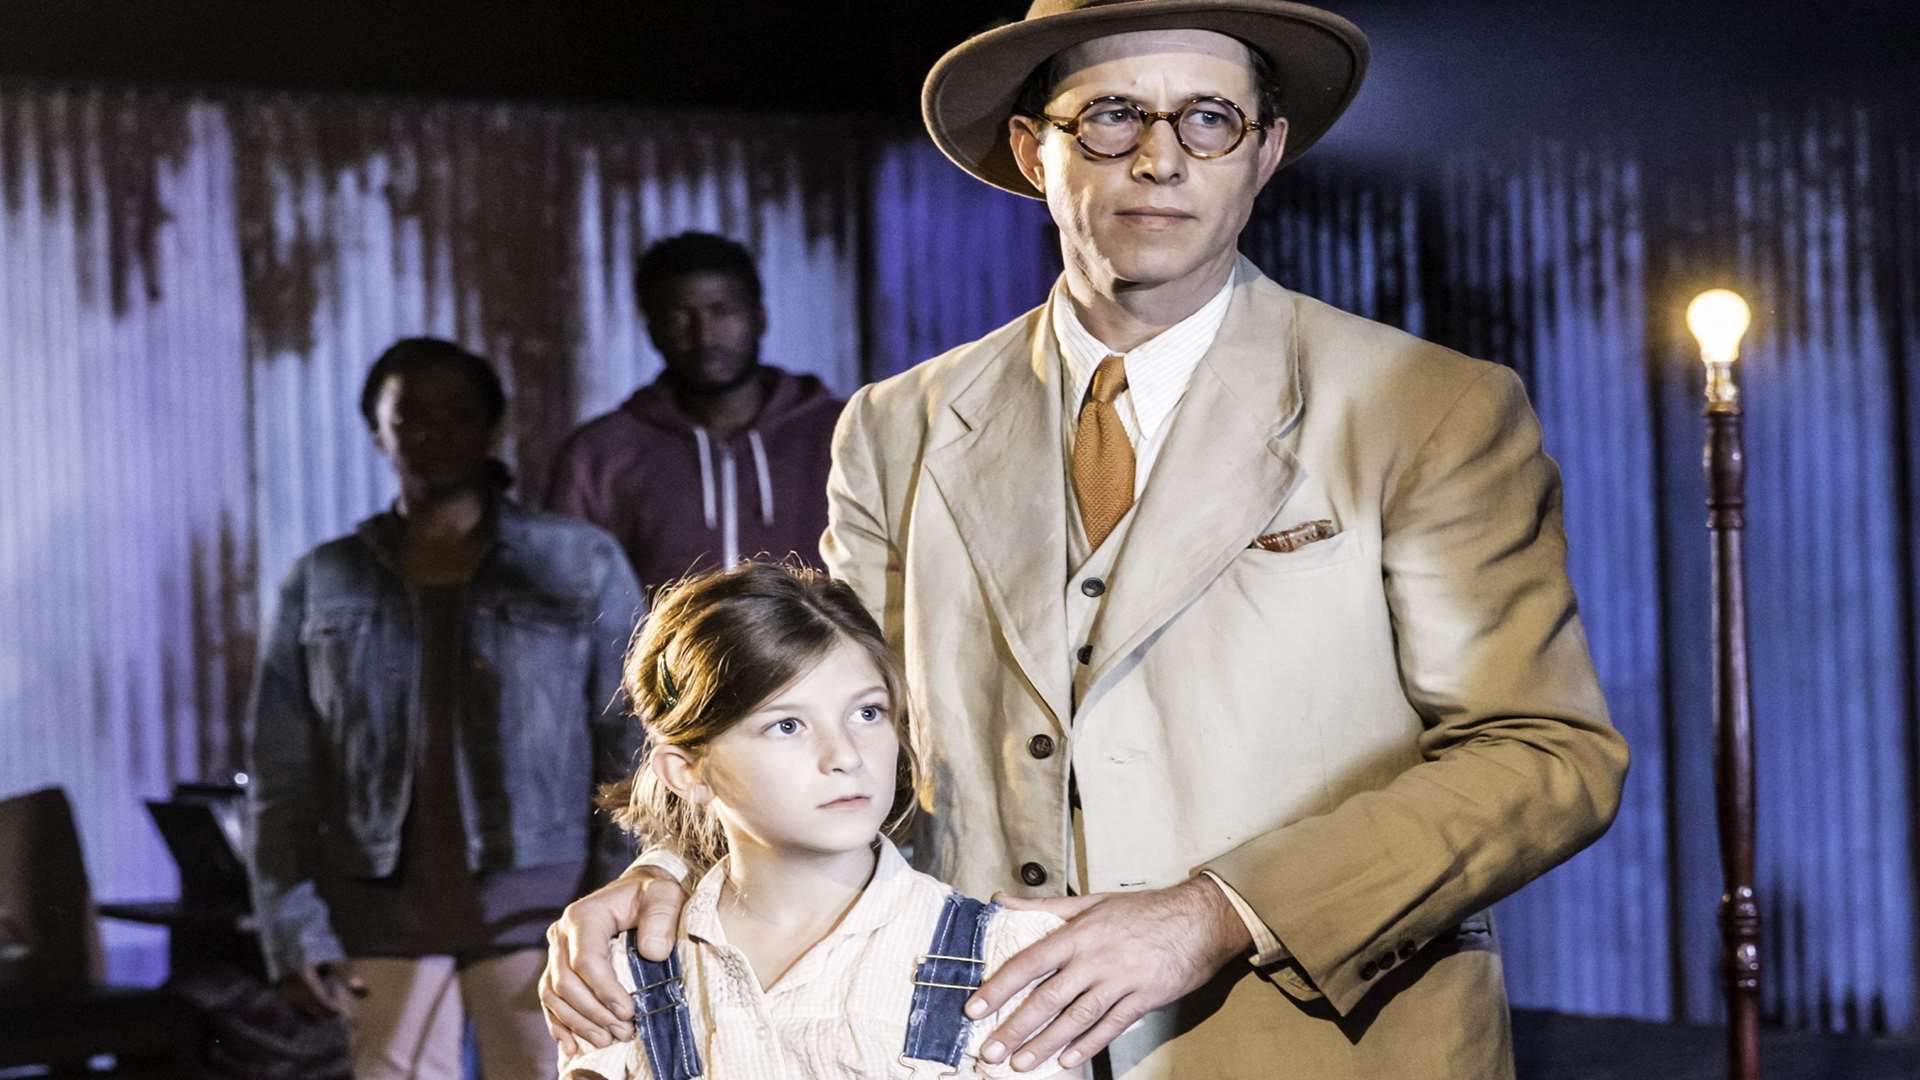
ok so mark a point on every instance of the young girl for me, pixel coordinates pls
(779, 769)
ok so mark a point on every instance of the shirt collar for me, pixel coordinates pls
(1158, 369)
(878, 902)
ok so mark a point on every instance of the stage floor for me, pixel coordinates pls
(1551, 1046)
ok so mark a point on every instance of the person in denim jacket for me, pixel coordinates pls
(437, 700)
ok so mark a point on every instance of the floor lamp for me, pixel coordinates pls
(1718, 317)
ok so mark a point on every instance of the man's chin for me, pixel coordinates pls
(1134, 270)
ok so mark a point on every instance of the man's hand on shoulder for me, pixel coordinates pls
(579, 992)
(1119, 957)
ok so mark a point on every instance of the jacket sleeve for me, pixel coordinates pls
(617, 736)
(857, 546)
(1520, 765)
(283, 851)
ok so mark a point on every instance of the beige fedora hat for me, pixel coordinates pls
(1318, 58)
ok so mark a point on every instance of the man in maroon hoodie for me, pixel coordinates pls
(721, 458)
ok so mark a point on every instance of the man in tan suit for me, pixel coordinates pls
(1237, 628)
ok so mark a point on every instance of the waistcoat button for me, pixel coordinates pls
(1040, 746)
(1093, 586)
(1033, 874)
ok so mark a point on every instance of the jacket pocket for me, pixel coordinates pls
(528, 743)
(338, 647)
(1321, 553)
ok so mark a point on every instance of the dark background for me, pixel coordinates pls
(1443, 71)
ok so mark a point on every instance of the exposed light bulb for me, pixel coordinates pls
(1718, 317)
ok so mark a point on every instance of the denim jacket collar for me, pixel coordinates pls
(505, 524)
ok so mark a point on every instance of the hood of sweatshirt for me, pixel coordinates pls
(793, 400)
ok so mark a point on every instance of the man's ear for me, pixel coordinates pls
(1272, 149)
(677, 769)
(1026, 151)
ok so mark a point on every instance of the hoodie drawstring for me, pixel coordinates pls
(764, 475)
(706, 476)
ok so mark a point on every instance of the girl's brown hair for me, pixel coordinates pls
(715, 647)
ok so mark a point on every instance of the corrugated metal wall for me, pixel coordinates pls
(191, 290)
(127, 547)
(1832, 629)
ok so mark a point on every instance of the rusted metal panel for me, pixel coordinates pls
(191, 290)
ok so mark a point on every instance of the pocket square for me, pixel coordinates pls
(1297, 537)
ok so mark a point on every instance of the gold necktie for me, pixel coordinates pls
(1102, 455)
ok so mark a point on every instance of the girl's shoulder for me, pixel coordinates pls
(617, 947)
(621, 1060)
(1010, 931)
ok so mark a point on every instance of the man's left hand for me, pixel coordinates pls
(1120, 956)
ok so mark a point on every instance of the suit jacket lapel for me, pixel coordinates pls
(1004, 479)
(1223, 472)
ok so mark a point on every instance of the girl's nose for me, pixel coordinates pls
(837, 751)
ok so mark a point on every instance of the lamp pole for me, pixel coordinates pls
(1718, 318)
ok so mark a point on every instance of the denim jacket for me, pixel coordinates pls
(335, 718)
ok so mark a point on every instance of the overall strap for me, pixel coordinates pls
(947, 976)
(660, 1015)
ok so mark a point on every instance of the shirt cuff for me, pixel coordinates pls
(664, 859)
(1267, 950)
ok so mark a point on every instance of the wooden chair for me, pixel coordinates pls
(54, 1010)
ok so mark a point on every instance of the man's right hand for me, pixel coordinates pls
(322, 990)
(579, 992)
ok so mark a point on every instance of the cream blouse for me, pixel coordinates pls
(841, 1009)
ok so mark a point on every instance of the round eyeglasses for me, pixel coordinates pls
(1111, 127)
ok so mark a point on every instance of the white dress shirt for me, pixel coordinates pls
(1158, 372)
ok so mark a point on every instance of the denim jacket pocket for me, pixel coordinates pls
(339, 647)
(535, 643)
(528, 690)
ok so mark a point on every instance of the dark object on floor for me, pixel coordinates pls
(251, 1033)
(247, 1031)
(53, 1010)
(1552, 1046)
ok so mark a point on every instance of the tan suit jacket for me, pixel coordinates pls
(1371, 738)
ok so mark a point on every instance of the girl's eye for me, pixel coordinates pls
(789, 726)
(872, 714)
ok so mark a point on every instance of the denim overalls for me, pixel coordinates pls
(937, 1029)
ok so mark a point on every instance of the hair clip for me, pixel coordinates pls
(668, 693)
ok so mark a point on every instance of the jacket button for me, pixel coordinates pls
(1085, 654)
(1034, 874)
(1093, 586)
(1368, 971)
(1386, 960)
(1407, 950)
(1040, 746)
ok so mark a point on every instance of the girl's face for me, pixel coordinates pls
(812, 769)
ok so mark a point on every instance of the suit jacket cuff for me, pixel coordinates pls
(1267, 950)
